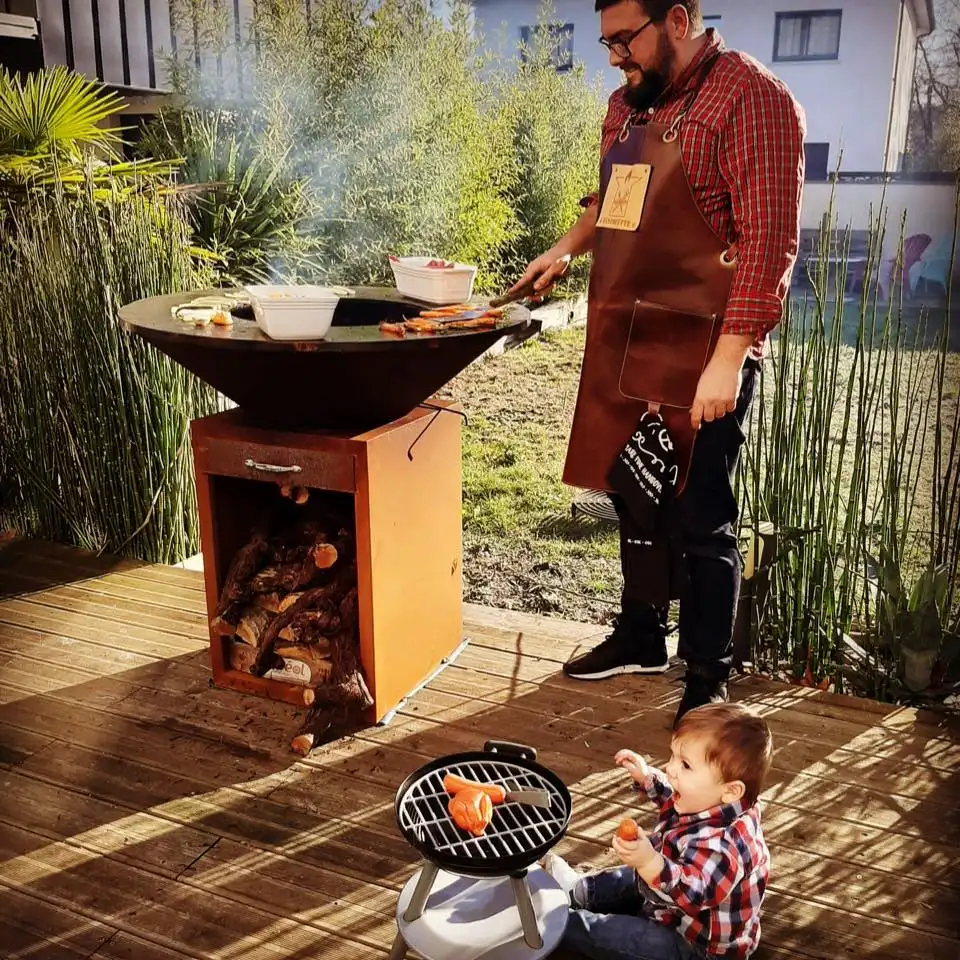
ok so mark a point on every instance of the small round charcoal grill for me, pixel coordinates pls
(458, 905)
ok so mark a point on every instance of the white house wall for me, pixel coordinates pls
(500, 21)
(847, 101)
(929, 208)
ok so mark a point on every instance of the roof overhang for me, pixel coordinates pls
(23, 28)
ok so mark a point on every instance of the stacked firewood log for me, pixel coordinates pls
(288, 609)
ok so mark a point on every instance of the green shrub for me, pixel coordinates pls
(253, 211)
(556, 120)
(54, 132)
(413, 139)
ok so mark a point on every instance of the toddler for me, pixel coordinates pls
(694, 885)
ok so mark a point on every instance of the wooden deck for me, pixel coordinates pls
(146, 816)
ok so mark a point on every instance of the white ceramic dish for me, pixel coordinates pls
(437, 285)
(296, 311)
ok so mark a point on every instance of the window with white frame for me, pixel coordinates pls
(558, 39)
(807, 35)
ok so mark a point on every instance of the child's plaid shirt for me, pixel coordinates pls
(716, 866)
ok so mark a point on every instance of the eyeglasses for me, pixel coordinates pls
(621, 46)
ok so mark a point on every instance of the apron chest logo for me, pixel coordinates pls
(625, 196)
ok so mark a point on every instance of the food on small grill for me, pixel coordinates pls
(471, 810)
(395, 329)
(454, 785)
(628, 830)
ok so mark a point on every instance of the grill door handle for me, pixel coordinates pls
(271, 467)
(512, 749)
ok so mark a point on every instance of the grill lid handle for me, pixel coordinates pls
(512, 749)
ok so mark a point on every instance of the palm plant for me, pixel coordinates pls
(52, 131)
(245, 206)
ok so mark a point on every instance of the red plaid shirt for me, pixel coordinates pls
(742, 149)
(716, 866)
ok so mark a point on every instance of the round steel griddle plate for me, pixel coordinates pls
(518, 835)
(356, 377)
(466, 918)
(355, 324)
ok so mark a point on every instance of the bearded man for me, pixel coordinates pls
(694, 235)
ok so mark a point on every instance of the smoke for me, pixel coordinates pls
(398, 124)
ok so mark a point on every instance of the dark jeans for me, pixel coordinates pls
(701, 561)
(608, 926)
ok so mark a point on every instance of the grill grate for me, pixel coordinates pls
(516, 828)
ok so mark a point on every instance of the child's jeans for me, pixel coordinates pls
(609, 928)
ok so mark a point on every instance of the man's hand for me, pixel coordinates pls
(719, 383)
(633, 763)
(640, 855)
(544, 272)
(550, 266)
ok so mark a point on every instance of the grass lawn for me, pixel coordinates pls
(522, 548)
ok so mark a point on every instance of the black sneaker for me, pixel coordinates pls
(698, 692)
(637, 645)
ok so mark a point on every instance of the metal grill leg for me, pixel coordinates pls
(528, 916)
(399, 949)
(428, 874)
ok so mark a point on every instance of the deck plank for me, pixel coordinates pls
(148, 816)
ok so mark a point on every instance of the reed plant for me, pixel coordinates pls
(853, 461)
(94, 443)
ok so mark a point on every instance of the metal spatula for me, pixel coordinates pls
(532, 798)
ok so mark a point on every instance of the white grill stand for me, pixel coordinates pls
(444, 916)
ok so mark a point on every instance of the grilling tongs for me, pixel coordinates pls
(519, 294)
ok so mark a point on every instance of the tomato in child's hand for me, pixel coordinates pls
(628, 830)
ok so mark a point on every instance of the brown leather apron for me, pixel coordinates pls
(655, 301)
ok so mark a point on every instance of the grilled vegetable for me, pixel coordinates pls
(454, 784)
(471, 810)
(394, 329)
(628, 830)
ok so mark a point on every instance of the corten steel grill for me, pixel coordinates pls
(351, 416)
(517, 837)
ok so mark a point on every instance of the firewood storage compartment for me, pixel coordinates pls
(406, 517)
(329, 499)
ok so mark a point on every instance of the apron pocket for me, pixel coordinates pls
(667, 350)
